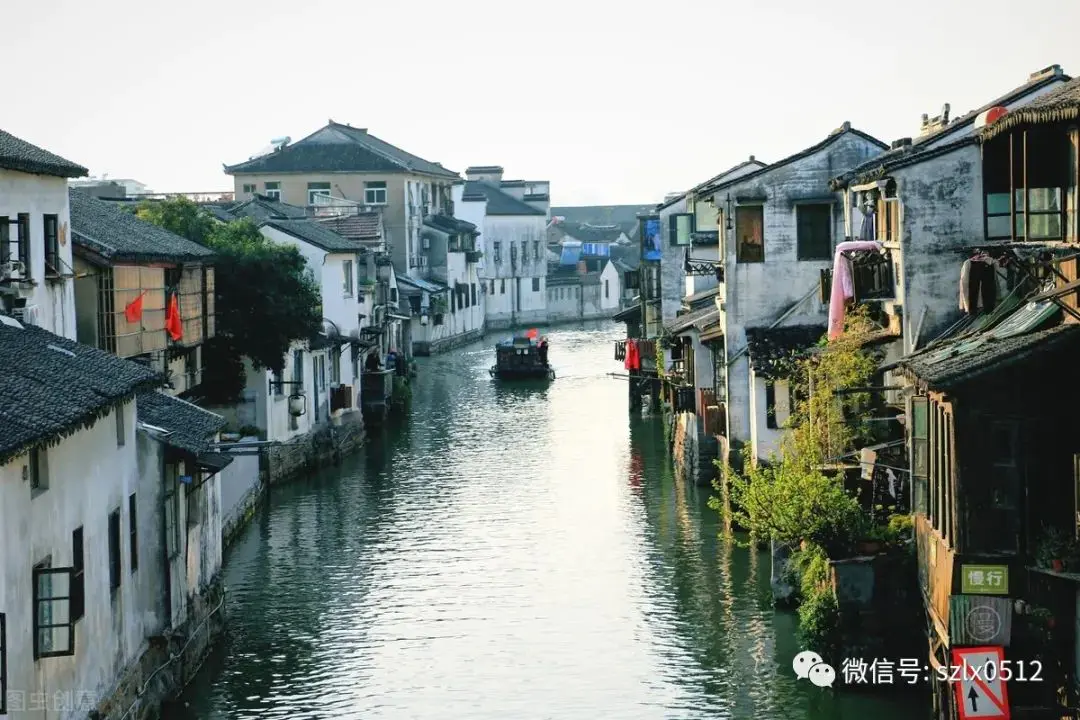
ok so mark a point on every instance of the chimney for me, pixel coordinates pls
(492, 174)
(752, 159)
(1046, 72)
(901, 143)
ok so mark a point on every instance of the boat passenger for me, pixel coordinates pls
(544, 351)
(373, 364)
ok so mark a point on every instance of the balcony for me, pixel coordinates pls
(473, 256)
(646, 350)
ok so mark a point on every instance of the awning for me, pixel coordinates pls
(428, 286)
(712, 333)
(395, 316)
(213, 461)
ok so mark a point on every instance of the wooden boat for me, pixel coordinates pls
(521, 359)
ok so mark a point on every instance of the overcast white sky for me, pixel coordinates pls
(613, 102)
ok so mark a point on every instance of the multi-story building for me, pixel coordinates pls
(342, 166)
(512, 216)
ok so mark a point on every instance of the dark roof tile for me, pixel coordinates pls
(698, 319)
(340, 148)
(448, 224)
(361, 226)
(314, 233)
(775, 352)
(261, 208)
(498, 202)
(19, 155)
(116, 234)
(588, 233)
(51, 387)
(1058, 105)
(190, 427)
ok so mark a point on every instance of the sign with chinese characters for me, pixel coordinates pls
(984, 579)
(980, 620)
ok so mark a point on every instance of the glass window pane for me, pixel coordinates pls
(1045, 226)
(998, 227)
(60, 638)
(1019, 200)
(1021, 228)
(1045, 199)
(997, 204)
(918, 412)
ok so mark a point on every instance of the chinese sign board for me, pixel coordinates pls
(980, 620)
(984, 579)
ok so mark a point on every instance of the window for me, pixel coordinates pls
(172, 527)
(1004, 488)
(492, 287)
(37, 469)
(750, 234)
(114, 550)
(314, 189)
(536, 284)
(3, 664)
(356, 362)
(496, 251)
(347, 273)
(54, 630)
(78, 578)
(5, 247)
(250, 188)
(473, 290)
(196, 504)
(680, 226)
(121, 430)
(454, 297)
(814, 231)
(606, 294)
(335, 366)
(919, 456)
(133, 532)
(24, 242)
(502, 286)
(52, 244)
(536, 250)
(273, 190)
(375, 192)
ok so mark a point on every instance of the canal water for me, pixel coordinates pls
(509, 553)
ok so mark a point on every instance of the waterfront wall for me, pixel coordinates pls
(168, 662)
(441, 345)
(241, 493)
(325, 445)
(693, 451)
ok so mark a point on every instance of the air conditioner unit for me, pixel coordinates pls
(12, 269)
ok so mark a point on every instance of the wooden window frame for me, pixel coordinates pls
(805, 213)
(44, 622)
(133, 532)
(920, 455)
(116, 545)
(50, 228)
(741, 255)
(681, 229)
(78, 574)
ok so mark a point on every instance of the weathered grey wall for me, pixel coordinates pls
(672, 274)
(241, 490)
(758, 294)
(941, 212)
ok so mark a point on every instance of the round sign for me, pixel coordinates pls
(983, 623)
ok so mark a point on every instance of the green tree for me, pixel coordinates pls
(266, 295)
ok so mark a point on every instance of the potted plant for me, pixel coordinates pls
(874, 540)
(1053, 548)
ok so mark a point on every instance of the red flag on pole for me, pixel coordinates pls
(173, 326)
(133, 310)
(531, 334)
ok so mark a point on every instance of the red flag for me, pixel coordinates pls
(133, 310)
(531, 334)
(172, 319)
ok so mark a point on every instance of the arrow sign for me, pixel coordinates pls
(980, 692)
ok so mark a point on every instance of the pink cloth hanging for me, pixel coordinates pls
(842, 283)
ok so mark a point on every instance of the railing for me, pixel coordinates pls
(646, 350)
(620, 350)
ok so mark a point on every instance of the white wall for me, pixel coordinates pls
(610, 287)
(701, 283)
(89, 477)
(38, 195)
(527, 304)
(272, 411)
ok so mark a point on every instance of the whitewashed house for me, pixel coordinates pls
(512, 216)
(451, 247)
(779, 227)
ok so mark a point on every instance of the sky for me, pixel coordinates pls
(612, 102)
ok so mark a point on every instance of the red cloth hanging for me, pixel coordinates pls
(133, 310)
(633, 357)
(173, 325)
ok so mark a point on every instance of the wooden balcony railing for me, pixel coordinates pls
(715, 419)
(646, 348)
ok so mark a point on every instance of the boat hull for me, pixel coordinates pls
(538, 373)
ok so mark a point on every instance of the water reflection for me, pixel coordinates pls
(512, 551)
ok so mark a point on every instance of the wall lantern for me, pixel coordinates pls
(297, 404)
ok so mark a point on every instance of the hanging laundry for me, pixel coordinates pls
(978, 285)
(867, 232)
(633, 357)
(843, 287)
(965, 282)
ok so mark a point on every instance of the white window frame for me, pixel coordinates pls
(272, 192)
(250, 188)
(372, 192)
(347, 273)
(325, 192)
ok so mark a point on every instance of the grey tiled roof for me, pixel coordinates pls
(190, 427)
(586, 232)
(361, 226)
(448, 224)
(110, 231)
(17, 154)
(701, 296)
(51, 387)
(340, 148)
(314, 233)
(698, 319)
(1058, 105)
(775, 352)
(263, 208)
(498, 202)
(845, 129)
